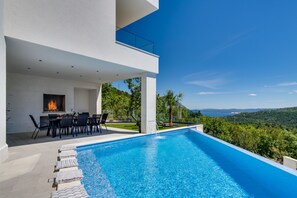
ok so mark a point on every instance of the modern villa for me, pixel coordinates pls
(55, 55)
(65, 51)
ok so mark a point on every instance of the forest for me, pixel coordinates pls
(283, 118)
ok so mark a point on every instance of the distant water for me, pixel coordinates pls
(226, 112)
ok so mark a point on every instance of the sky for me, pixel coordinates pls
(225, 54)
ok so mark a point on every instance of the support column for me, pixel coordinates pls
(99, 100)
(3, 145)
(148, 103)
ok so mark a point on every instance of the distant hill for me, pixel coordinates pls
(286, 117)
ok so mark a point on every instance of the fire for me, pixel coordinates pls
(52, 105)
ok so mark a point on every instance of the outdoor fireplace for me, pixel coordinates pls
(53, 103)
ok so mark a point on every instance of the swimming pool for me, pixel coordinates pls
(182, 163)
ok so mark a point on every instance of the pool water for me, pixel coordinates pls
(173, 164)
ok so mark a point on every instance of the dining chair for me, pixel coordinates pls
(103, 121)
(94, 121)
(80, 124)
(38, 127)
(65, 124)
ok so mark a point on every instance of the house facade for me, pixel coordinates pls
(55, 51)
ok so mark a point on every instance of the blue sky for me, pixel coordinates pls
(225, 54)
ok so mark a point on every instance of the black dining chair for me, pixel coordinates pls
(94, 121)
(103, 121)
(81, 124)
(38, 127)
(65, 124)
(52, 124)
(85, 113)
(52, 116)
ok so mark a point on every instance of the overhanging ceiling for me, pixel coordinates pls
(33, 59)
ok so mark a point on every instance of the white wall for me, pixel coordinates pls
(25, 96)
(94, 107)
(85, 100)
(148, 103)
(81, 100)
(99, 100)
(290, 162)
(82, 27)
(3, 145)
(75, 26)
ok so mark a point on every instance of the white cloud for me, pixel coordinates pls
(293, 92)
(229, 43)
(211, 84)
(207, 79)
(252, 94)
(209, 93)
(284, 84)
(287, 84)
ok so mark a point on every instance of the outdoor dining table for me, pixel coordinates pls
(54, 123)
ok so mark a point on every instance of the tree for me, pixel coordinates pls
(161, 108)
(195, 114)
(122, 105)
(269, 141)
(171, 100)
(134, 85)
(115, 102)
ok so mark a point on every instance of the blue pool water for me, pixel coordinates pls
(183, 163)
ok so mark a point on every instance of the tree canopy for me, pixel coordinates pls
(171, 100)
(126, 106)
(269, 141)
(283, 118)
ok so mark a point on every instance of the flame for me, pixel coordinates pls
(52, 105)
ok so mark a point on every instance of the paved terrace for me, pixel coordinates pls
(30, 163)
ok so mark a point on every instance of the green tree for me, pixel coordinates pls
(134, 85)
(195, 114)
(267, 140)
(171, 100)
(115, 102)
(161, 108)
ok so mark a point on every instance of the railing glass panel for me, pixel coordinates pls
(134, 40)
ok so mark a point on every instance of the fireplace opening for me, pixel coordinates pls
(53, 103)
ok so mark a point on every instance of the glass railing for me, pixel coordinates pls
(131, 39)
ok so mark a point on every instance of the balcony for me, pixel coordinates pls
(132, 40)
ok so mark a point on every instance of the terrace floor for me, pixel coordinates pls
(28, 171)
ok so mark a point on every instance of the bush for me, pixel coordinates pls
(266, 140)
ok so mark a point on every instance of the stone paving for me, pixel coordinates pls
(28, 171)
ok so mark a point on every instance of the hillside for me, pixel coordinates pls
(286, 117)
(116, 102)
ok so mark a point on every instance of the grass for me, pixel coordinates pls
(168, 127)
(132, 126)
(128, 126)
